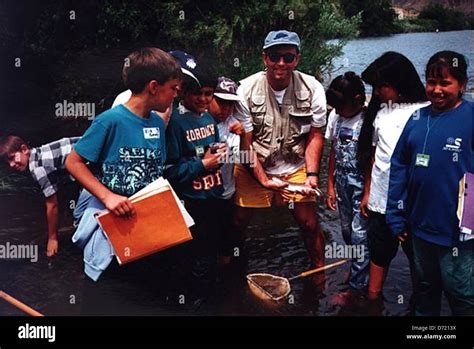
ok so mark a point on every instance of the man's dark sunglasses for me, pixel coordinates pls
(287, 57)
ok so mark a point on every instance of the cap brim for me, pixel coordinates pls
(188, 73)
(281, 43)
(227, 96)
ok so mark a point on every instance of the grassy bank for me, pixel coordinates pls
(415, 25)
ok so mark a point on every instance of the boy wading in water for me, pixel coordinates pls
(128, 145)
(46, 165)
(230, 130)
(193, 168)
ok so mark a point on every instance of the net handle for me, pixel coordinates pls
(19, 305)
(316, 270)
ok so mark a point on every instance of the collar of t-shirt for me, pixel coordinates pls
(279, 95)
(183, 110)
(350, 122)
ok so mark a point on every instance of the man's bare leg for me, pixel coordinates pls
(306, 217)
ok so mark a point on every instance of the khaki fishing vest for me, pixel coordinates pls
(279, 130)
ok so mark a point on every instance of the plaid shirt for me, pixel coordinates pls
(47, 165)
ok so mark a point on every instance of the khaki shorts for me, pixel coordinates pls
(249, 193)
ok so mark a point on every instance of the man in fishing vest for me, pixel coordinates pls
(283, 111)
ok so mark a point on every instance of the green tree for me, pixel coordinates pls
(378, 17)
(446, 19)
(229, 36)
(232, 36)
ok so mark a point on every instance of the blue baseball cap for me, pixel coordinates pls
(281, 37)
(188, 64)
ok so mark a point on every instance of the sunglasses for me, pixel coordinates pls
(287, 57)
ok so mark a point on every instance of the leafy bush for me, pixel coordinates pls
(447, 19)
(229, 35)
(413, 25)
(377, 16)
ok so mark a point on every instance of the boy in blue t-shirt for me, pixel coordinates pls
(128, 145)
(193, 169)
(127, 141)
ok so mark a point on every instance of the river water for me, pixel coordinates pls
(418, 47)
(274, 246)
(273, 241)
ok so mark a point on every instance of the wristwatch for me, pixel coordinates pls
(314, 174)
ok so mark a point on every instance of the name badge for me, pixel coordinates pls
(151, 132)
(305, 128)
(422, 160)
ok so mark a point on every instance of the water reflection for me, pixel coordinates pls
(274, 245)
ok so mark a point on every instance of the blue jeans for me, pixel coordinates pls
(350, 188)
(440, 269)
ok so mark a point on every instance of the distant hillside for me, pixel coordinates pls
(465, 6)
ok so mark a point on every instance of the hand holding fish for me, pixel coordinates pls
(297, 188)
(275, 184)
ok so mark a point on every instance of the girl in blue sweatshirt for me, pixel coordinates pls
(433, 153)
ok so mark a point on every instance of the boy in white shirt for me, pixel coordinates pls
(230, 130)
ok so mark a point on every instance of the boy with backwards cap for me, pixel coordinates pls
(230, 130)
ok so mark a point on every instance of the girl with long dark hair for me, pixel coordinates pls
(397, 93)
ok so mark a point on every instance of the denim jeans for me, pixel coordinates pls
(350, 187)
(441, 268)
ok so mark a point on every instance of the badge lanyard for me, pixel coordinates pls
(423, 159)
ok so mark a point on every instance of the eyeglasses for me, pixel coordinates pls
(287, 57)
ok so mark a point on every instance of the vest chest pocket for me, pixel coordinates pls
(258, 110)
(303, 102)
(300, 123)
